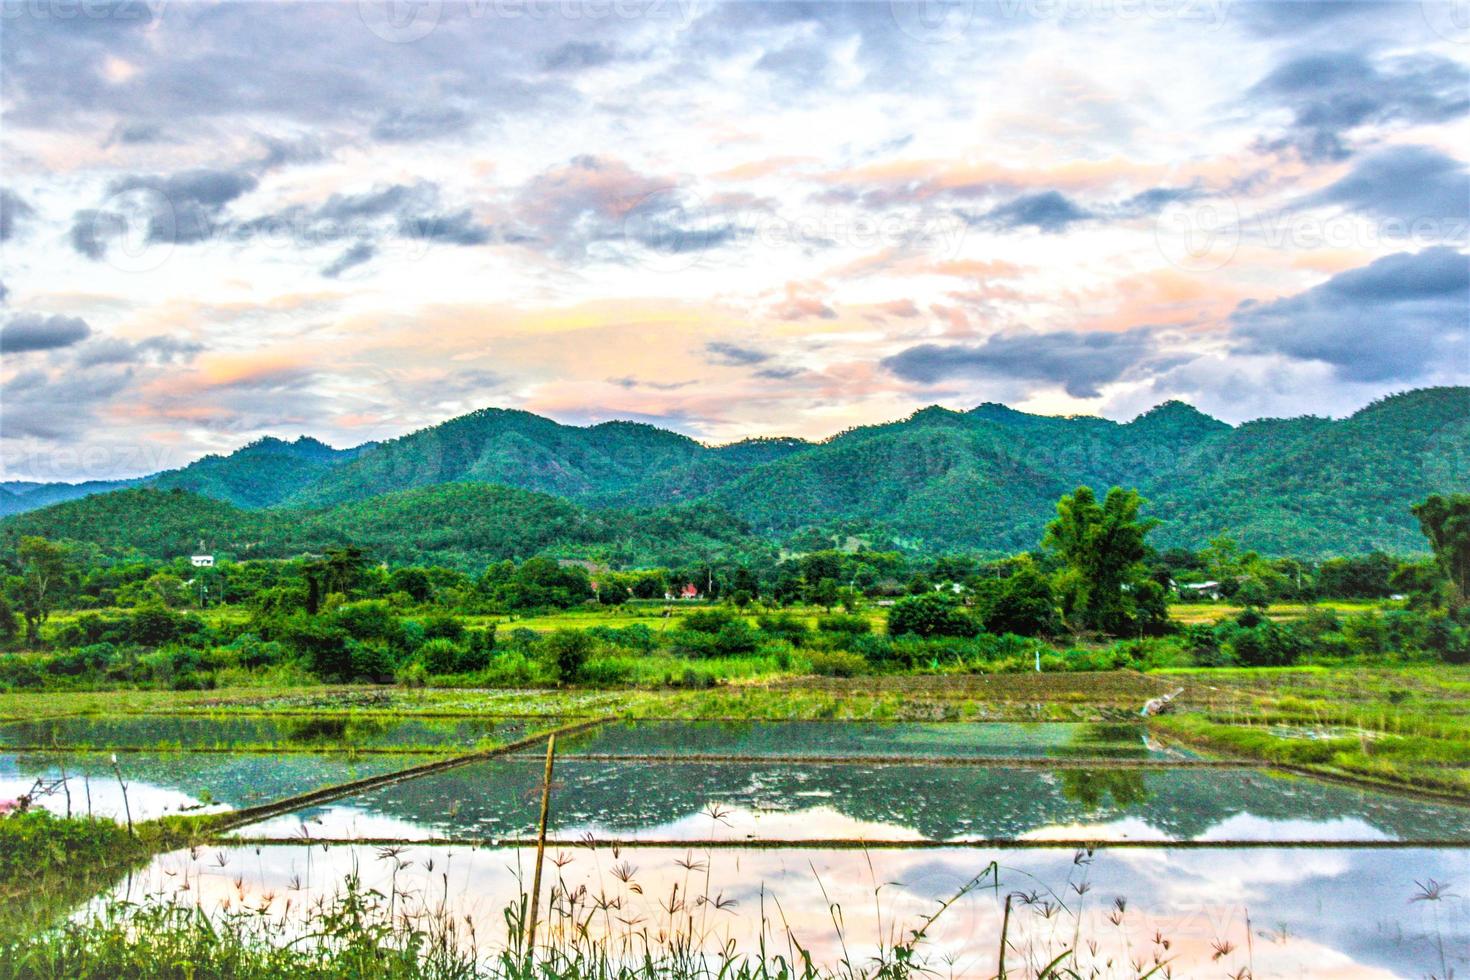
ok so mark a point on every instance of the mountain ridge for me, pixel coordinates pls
(939, 479)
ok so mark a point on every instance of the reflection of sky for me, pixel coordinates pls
(167, 783)
(1310, 912)
(867, 801)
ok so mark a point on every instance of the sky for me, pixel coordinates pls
(220, 221)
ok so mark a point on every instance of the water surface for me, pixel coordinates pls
(1319, 912)
(498, 799)
(164, 783)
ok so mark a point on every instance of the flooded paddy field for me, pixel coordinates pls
(160, 784)
(1096, 834)
(337, 732)
(1295, 912)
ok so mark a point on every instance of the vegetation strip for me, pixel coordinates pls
(978, 761)
(1003, 843)
(236, 818)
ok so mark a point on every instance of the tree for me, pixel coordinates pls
(823, 593)
(930, 614)
(1023, 604)
(1102, 548)
(1445, 521)
(42, 571)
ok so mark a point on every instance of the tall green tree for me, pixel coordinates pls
(1102, 548)
(42, 576)
(1445, 521)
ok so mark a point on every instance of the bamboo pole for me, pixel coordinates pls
(540, 846)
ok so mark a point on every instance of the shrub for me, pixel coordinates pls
(837, 663)
(735, 639)
(443, 627)
(708, 620)
(784, 626)
(440, 656)
(930, 614)
(844, 624)
(567, 651)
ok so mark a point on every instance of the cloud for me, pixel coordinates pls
(1080, 362)
(35, 331)
(151, 350)
(733, 355)
(421, 123)
(179, 209)
(61, 406)
(4, 293)
(14, 211)
(356, 255)
(457, 228)
(597, 207)
(1331, 94)
(577, 55)
(1407, 183)
(1399, 318)
(1049, 211)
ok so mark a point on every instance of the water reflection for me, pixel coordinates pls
(859, 739)
(496, 799)
(159, 784)
(338, 731)
(1275, 912)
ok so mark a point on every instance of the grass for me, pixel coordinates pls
(396, 918)
(50, 864)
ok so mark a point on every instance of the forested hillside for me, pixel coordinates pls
(463, 525)
(939, 480)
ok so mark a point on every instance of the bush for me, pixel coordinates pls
(735, 639)
(837, 663)
(930, 614)
(370, 662)
(441, 656)
(708, 620)
(443, 627)
(567, 651)
(844, 624)
(784, 626)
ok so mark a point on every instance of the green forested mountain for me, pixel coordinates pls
(465, 525)
(938, 480)
(262, 474)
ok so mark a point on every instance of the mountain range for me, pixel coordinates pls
(987, 479)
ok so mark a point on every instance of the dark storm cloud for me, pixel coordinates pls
(14, 211)
(1408, 183)
(1079, 362)
(1049, 211)
(35, 331)
(1331, 94)
(733, 355)
(1399, 318)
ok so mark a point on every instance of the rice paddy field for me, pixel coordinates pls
(1281, 823)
